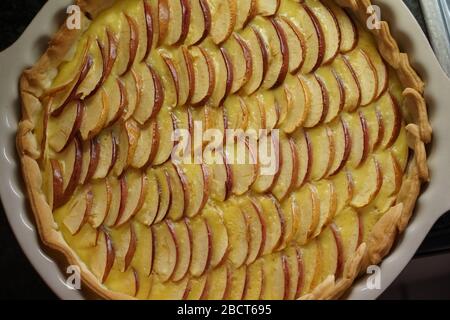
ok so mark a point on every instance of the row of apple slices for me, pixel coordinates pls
(242, 229)
(305, 156)
(287, 274)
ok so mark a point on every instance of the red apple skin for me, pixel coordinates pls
(397, 123)
(230, 74)
(325, 99)
(134, 42)
(301, 39)
(159, 92)
(208, 20)
(186, 22)
(132, 248)
(174, 73)
(284, 48)
(164, 16)
(77, 124)
(212, 78)
(340, 249)
(75, 177)
(110, 256)
(365, 129)
(150, 31)
(94, 159)
(264, 51)
(341, 90)
(347, 148)
(115, 153)
(381, 129)
(191, 75)
(287, 276)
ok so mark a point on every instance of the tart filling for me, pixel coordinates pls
(340, 104)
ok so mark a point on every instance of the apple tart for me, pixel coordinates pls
(100, 107)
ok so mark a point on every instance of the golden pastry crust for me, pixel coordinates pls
(35, 80)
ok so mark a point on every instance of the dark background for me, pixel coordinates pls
(19, 279)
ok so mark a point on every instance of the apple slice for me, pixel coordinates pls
(94, 76)
(268, 171)
(223, 19)
(243, 163)
(368, 180)
(236, 113)
(310, 256)
(308, 25)
(240, 55)
(306, 203)
(350, 83)
(116, 202)
(293, 268)
(117, 97)
(102, 259)
(126, 32)
(65, 85)
(347, 223)
(344, 186)
(237, 228)
(372, 121)
(164, 18)
(275, 276)
(201, 14)
(168, 290)
(122, 148)
(165, 129)
(204, 75)
(274, 222)
(70, 161)
(132, 88)
(178, 203)
(146, 146)
(330, 27)
(133, 186)
(179, 22)
(127, 283)
(102, 196)
(366, 75)
(389, 109)
(165, 194)
(195, 180)
(143, 257)
(62, 129)
(302, 140)
(125, 242)
(296, 44)
(317, 104)
(107, 155)
(166, 251)
(330, 256)
(259, 57)
(348, 30)
(217, 284)
(181, 234)
(342, 144)
(86, 238)
(246, 10)
(328, 204)
(255, 281)
(195, 288)
(255, 111)
(286, 179)
(151, 95)
(95, 115)
(323, 151)
(335, 92)
(223, 73)
(201, 246)
(273, 40)
(150, 207)
(359, 139)
(256, 228)
(220, 176)
(236, 286)
(78, 213)
(219, 235)
(267, 7)
(180, 66)
(271, 111)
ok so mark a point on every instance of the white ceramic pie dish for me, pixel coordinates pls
(431, 205)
